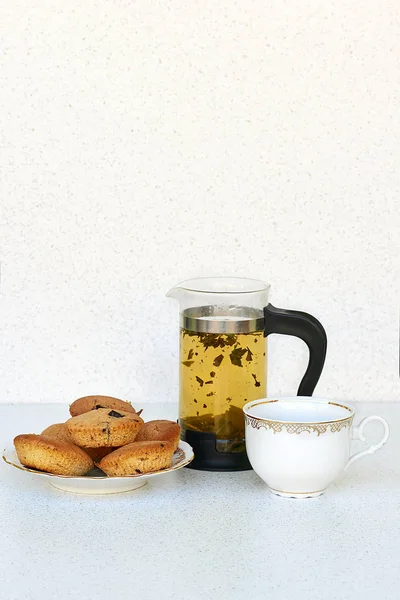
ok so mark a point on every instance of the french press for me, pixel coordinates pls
(224, 325)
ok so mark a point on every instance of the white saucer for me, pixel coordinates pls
(96, 482)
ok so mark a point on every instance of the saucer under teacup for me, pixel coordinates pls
(300, 445)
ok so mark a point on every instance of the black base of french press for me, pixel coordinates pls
(207, 458)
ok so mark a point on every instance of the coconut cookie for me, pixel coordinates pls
(160, 430)
(104, 427)
(137, 458)
(87, 403)
(52, 455)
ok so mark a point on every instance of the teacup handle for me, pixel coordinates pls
(358, 434)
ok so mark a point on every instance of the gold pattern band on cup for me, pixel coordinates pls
(279, 426)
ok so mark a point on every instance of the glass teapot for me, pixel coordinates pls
(224, 324)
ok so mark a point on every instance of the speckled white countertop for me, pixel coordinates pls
(194, 534)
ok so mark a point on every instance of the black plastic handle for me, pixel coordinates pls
(307, 328)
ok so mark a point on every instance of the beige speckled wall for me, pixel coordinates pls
(143, 143)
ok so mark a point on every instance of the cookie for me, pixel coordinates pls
(87, 403)
(138, 458)
(104, 427)
(160, 430)
(58, 431)
(52, 455)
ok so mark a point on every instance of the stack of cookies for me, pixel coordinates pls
(105, 432)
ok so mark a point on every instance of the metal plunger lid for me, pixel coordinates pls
(222, 319)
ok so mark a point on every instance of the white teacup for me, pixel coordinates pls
(300, 445)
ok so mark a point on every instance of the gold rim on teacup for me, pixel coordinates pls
(249, 405)
(278, 425)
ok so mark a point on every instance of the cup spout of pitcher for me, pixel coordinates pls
(175, 292)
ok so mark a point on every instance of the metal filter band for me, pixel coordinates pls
(222, 319)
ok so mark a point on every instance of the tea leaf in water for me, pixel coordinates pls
(211, 340)
(249, 356)
(189, 333)
(236, 360)
(204, 423)
(187, 363)
(236, 356)
(200, 381)
(190, 354)
(256, 382)
(218, 360)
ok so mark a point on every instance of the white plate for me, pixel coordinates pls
(96, 482)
